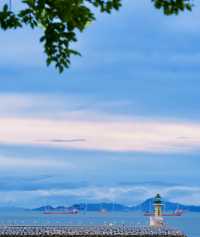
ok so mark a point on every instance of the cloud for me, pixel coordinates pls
(125, 194)
(137, 99)
(54, 105)
(130, 195)
(20, 163)
(64, 140)
(56, 122)
(21, 183)
(144, 135)
(189, 195)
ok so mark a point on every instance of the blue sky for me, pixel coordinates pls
(120, 125)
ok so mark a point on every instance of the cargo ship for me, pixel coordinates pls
(176, 213)
(68, 212)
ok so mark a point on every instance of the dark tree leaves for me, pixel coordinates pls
(171, 7)
(60, 21)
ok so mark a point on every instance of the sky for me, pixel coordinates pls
(122, 124)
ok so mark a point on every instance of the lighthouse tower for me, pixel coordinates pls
(158, 205)
(157, 219)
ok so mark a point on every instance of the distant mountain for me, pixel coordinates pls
(44, 208)
(88, 207)
(100, 206)
(168, 206)
(50, 208)
(146, 206)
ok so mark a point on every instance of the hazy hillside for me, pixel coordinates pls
(145, 206)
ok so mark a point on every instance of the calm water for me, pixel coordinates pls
(189, 223)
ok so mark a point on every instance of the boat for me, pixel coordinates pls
(68, 212)
(176, 213)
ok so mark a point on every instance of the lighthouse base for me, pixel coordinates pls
(156, 221)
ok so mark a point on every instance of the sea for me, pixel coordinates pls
(188, 223)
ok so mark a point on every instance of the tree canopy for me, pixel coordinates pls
(60, 20)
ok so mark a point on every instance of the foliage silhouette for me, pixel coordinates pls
(60, 21)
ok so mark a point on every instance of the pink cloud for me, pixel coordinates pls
(109, 135)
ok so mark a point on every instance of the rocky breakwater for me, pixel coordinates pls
(95, 231)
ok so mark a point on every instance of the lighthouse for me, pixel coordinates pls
(158, 205)
(157, 219)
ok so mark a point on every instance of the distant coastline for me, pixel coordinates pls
(144, 207)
